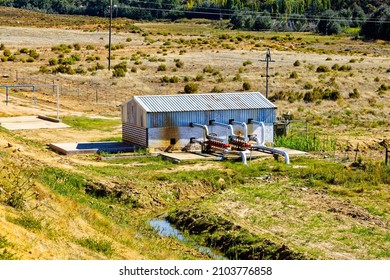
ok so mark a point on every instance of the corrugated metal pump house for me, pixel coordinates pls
(163, 121)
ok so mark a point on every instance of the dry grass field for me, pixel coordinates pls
(74, 211)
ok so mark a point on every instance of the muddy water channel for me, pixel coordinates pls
(164, 228)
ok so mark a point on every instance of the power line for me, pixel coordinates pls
(213, 11)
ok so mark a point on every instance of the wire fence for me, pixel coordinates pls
(87, 90)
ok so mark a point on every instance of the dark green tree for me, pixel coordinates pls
(377, 26)
(329, 23)
(263, 22)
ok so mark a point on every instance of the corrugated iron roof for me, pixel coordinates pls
(203, 102)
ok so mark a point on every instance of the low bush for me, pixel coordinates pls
(320, 94)
(7, 53)
(297, 63)
(247, 62)
(191, 88)
(354, 94)
(294, 75)
(322, 69)
(53, 61)
(308, 86)
(246, 86)
(120, 70)
(162, 67)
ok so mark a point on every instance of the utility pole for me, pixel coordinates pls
(267, 60)
(109, 38)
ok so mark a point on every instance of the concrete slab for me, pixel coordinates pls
(30, 122)
(91, 147)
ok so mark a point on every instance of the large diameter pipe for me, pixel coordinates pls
(241, 153)
(274, 151)
(244, 126)
(204, 127)
(261, 141)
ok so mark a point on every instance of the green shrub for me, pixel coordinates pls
(164, 79)
(208, 69)
(90, 47)
(100, 66)
(237, 78)
(174, 79)
(11, 58)
(53, 61)
(66, 61)
(199, 77)
(345, 68)
(80, 70)
(7, 53)
(30, 59)
(308, 86)
(34, 54)
(318, 94)
(179, 64)
(297, 63)
(191, 88)
(217, 89)
(354, 94)
(294, 75)
(246, 86)
(44, 69)
(24, 50)
(162, 67)
(76, 57)
(77, 46)
(322, 69)
(247, 62)
(336, 67)
(120, 70)
(92, 58)
(2, 47)
(64, 69)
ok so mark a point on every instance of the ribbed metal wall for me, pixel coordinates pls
(172, 119)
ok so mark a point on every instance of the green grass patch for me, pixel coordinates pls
(86, 123)
(101, 246)
(307, 143)
(28, 221)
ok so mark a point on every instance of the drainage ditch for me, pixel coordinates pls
(164, 228)
(235, 242)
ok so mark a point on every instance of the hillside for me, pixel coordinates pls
(333, 204)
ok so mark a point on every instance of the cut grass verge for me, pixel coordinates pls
(86, 123)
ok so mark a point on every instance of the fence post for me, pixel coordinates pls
(387, 156)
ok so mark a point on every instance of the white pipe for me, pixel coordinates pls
(241, 153)
(229, 130)
(258, 141)
(245, 127)
(243, 156)
(275, 151)
(205, 128)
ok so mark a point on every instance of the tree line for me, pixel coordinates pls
(324, 16)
